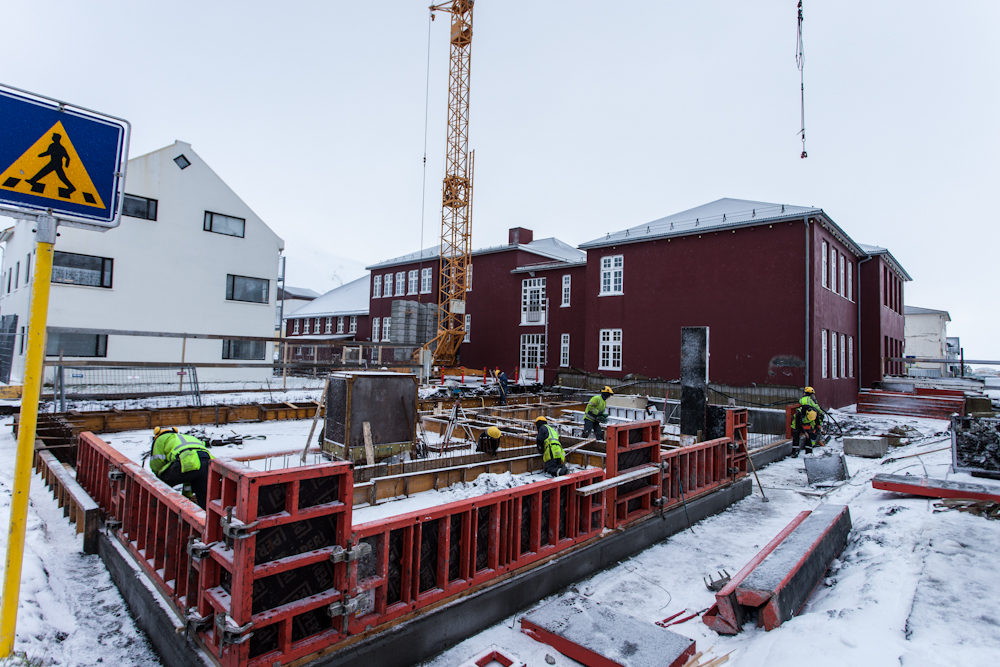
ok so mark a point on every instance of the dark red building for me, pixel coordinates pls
(510, 304)
(777, 285)
(881, 315)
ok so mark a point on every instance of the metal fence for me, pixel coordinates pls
(173, 386)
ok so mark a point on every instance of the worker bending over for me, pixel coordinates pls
(809, 427)
(181, 459)
(489, 441)
(548, 446)
(807, 402)
(596, 414)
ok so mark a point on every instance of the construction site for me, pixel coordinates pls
(743, 464)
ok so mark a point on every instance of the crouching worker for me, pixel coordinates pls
(548, 446)
(809, 425)
(489, 441)
(181, 459)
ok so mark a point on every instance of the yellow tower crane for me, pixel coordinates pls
(456, 202)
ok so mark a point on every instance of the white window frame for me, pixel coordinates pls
(850, 281)
(532, 340)
(411, 282)
(826, 273)
(295, 327)
(843, 283)
(401, 283)
(387, 285)
(567, 282)
(564, 351)
(386, 326)
(833, 268)
(376, 331)
(833, 355)
(850, 356)
(468, 278)
(610, 341)
(340, 325)
(843, 355)
(329, 325)
(533, 302)
(468, 329)
(425, 280)
(376, 286)
(612, 275)
(825, 355)
(354, 325)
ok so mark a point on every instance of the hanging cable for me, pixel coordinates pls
(423, 187)
(800, 61)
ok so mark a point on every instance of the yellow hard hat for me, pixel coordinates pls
(607, 390)
(541, 419)
(493, 432)
(810, 415)
(157, 430)
(809, 390)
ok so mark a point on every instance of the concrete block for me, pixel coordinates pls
(826, 466)
(598, 636)
(869, 447)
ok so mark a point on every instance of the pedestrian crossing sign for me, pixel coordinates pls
(59, 160)
(52, 168)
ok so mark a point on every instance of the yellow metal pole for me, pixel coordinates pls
(46, 233)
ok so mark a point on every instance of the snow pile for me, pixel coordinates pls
(70, 612)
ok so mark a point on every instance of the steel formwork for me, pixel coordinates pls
(420, 558)
(275, 575)
(274, 572)
(629, 447)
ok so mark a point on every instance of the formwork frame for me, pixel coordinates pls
(423, 557)
(631, 446)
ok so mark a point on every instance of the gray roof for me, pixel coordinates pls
(349, 299)
(723, 213)
(297, 292)
(874, 250)
(913, 310)
(550, 248)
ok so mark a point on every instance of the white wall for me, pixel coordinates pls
(169, 274)
(926, 335)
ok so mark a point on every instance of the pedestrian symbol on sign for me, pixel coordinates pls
(51, 168)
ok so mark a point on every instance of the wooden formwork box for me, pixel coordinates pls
(387, 401)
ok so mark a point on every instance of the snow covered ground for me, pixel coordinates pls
(913, 587)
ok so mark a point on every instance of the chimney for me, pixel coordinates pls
(520, 236)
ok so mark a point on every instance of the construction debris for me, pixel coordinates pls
(776, 583)
(976, 445)
(983, 508)
(596, 636)
(716, 585)
(936, 488)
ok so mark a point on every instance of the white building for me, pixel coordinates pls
(926, 336)
(188, 257)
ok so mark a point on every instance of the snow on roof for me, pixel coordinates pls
(349, 299)
(722, 213)
(874, 250)
(298, 292)
(550, 248)
(914, 310)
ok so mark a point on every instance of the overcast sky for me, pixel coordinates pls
(587, 117)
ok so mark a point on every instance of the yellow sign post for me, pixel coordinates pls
(46, 238)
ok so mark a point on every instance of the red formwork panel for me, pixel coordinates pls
(154, 522)
(629, 446)
(423, 557)
(873, 401)
(276, 581)
(697, 469)
(789, 412)
(935, 488)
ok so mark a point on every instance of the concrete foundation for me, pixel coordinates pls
(826, 466)
(867, 447)
(437, 630)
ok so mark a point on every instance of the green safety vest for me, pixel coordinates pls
(170, 446)
(595, 407)
(553, 450)
(809, 401)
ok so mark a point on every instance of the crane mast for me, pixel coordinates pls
(456, 202)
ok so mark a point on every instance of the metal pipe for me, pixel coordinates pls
(33, 370)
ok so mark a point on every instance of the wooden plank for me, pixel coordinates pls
(644, 471)
(369, 447)
(69, 494)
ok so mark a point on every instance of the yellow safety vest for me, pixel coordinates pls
(553, 450)
(170, 446)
